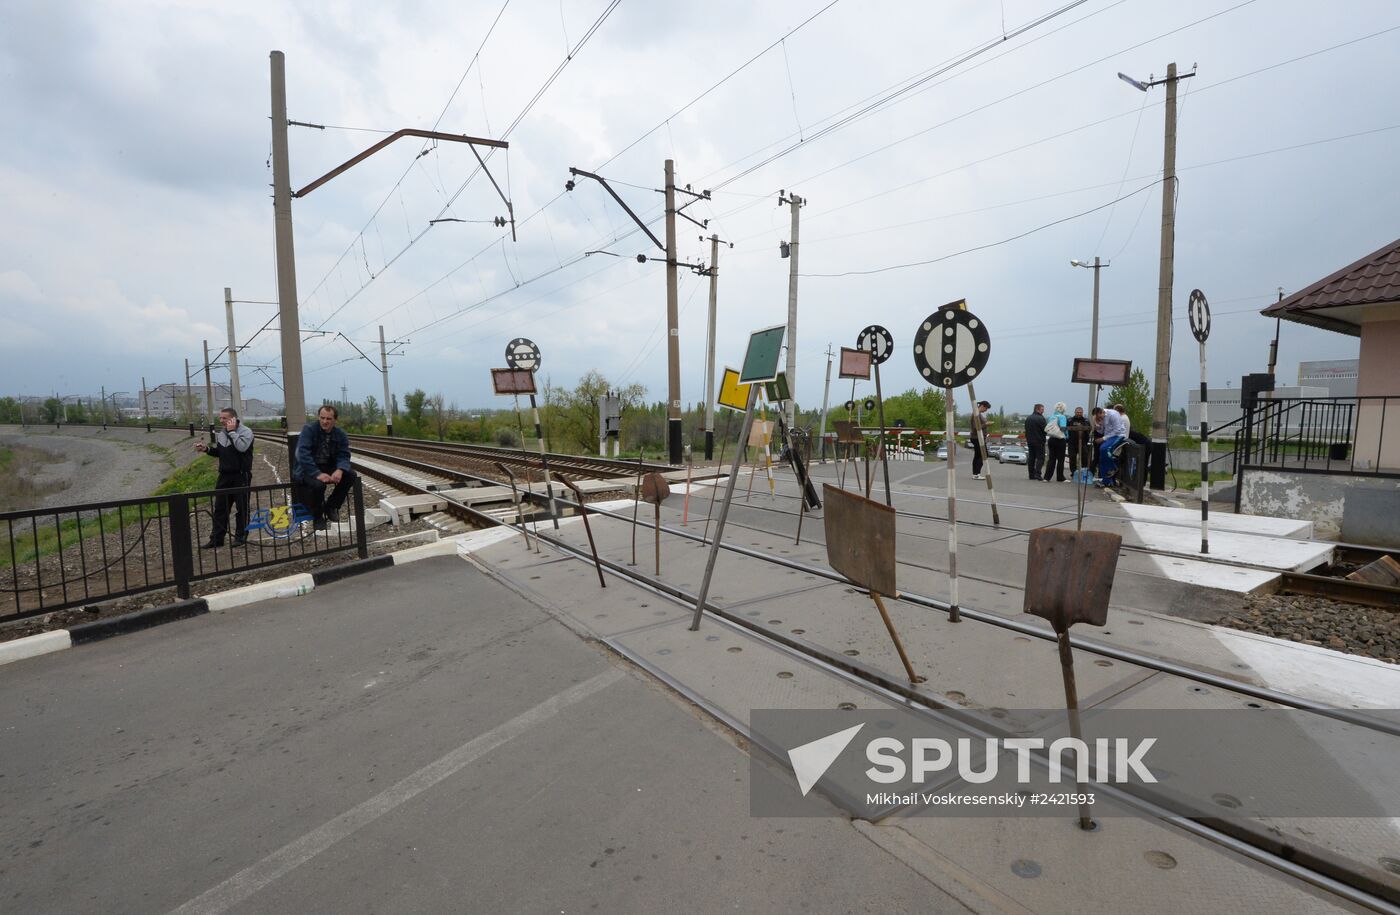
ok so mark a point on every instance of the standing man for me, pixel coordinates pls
(1035, 440)
(979, 441)
(233, 446)
(1081, 431)
(1115, 430)
(323, 459)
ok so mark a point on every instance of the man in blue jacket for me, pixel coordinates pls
(323, 459)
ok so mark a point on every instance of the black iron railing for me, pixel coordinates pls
(1341, 435)
(74, 555)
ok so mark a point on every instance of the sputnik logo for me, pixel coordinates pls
(811, 760)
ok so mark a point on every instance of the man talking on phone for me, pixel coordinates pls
(233, 446)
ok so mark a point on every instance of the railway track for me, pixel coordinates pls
(1358, 884)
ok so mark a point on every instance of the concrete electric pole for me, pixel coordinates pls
(1157, 456)
(1096, 266)
(826, 395)
(235, 394)
(673, 332)
(710, 348)
(384, 368)
(208, 392)
(795, 203)
(293, 384)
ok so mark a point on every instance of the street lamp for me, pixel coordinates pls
(1096, 266)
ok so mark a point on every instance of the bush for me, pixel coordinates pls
(506, 438)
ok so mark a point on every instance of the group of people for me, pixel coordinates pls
(322, 461)
(1088, 441)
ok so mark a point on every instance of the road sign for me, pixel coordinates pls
(522, 354)
(876, 341)
(1198, 313)
(869, 404)
(855, 363)
(777, 389)
(761, 358)
(732, 394)
(1101, 371)
(513, 381)
(951, 346)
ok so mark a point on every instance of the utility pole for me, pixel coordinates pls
(189, 395)
(384, 368)
(1094, 332)
(710, 348)
(104, 406)
(1273, 345)
(208, 393)
(145, 402)
(795, 203)
(293, 384)
(236, 397)
(673, 349)
(826, 394)
(673, 332)
(1157, 456)
(1161, 392)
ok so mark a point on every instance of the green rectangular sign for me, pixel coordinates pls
(761, 360)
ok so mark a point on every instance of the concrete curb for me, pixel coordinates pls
(135, 622)
(291, 586)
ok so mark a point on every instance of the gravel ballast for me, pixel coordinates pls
(1367, 631)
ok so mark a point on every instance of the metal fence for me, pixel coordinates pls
(1341, 435)
(74, 555)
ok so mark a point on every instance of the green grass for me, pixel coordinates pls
(7, 457)
(1191, 479)
(197, 476)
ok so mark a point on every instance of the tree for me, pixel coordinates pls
(413, 403)
(9, 410)
(373, 415)
(53, 410)
(571, 417)
(1136, 397)
(439, 415)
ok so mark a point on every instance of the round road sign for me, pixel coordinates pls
(869, 404)
(951, 347)
(876, 341)
(522, 354)
(1198, 312)
(850, 406)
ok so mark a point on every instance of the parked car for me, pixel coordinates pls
(1010, 454)
(942, 453)
(994, 449)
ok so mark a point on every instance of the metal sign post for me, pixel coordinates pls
(878, 342)
(951, 347)
(524, 354)
(860, 544)
(1069, 577)
(1198, 312)
(979, 431)
(760, 364)
(519, 511)
(583, 513)
(655, 489)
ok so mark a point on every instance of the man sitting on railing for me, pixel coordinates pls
(1115, 432)
(323, 459)
(234, 448)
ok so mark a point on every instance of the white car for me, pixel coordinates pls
(1012, 455)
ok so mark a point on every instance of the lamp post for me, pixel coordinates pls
(1096, 266)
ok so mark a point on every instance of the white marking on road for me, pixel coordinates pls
(292, 855)
(273, 467)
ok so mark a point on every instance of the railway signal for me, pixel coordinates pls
(1198, 313)
(879, 343)
(523, 355)
(951, 347)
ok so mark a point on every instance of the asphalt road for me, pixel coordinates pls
(415, 740)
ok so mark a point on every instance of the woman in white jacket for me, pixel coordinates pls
(1056, 438)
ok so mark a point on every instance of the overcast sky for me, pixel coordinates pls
(136, 185)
